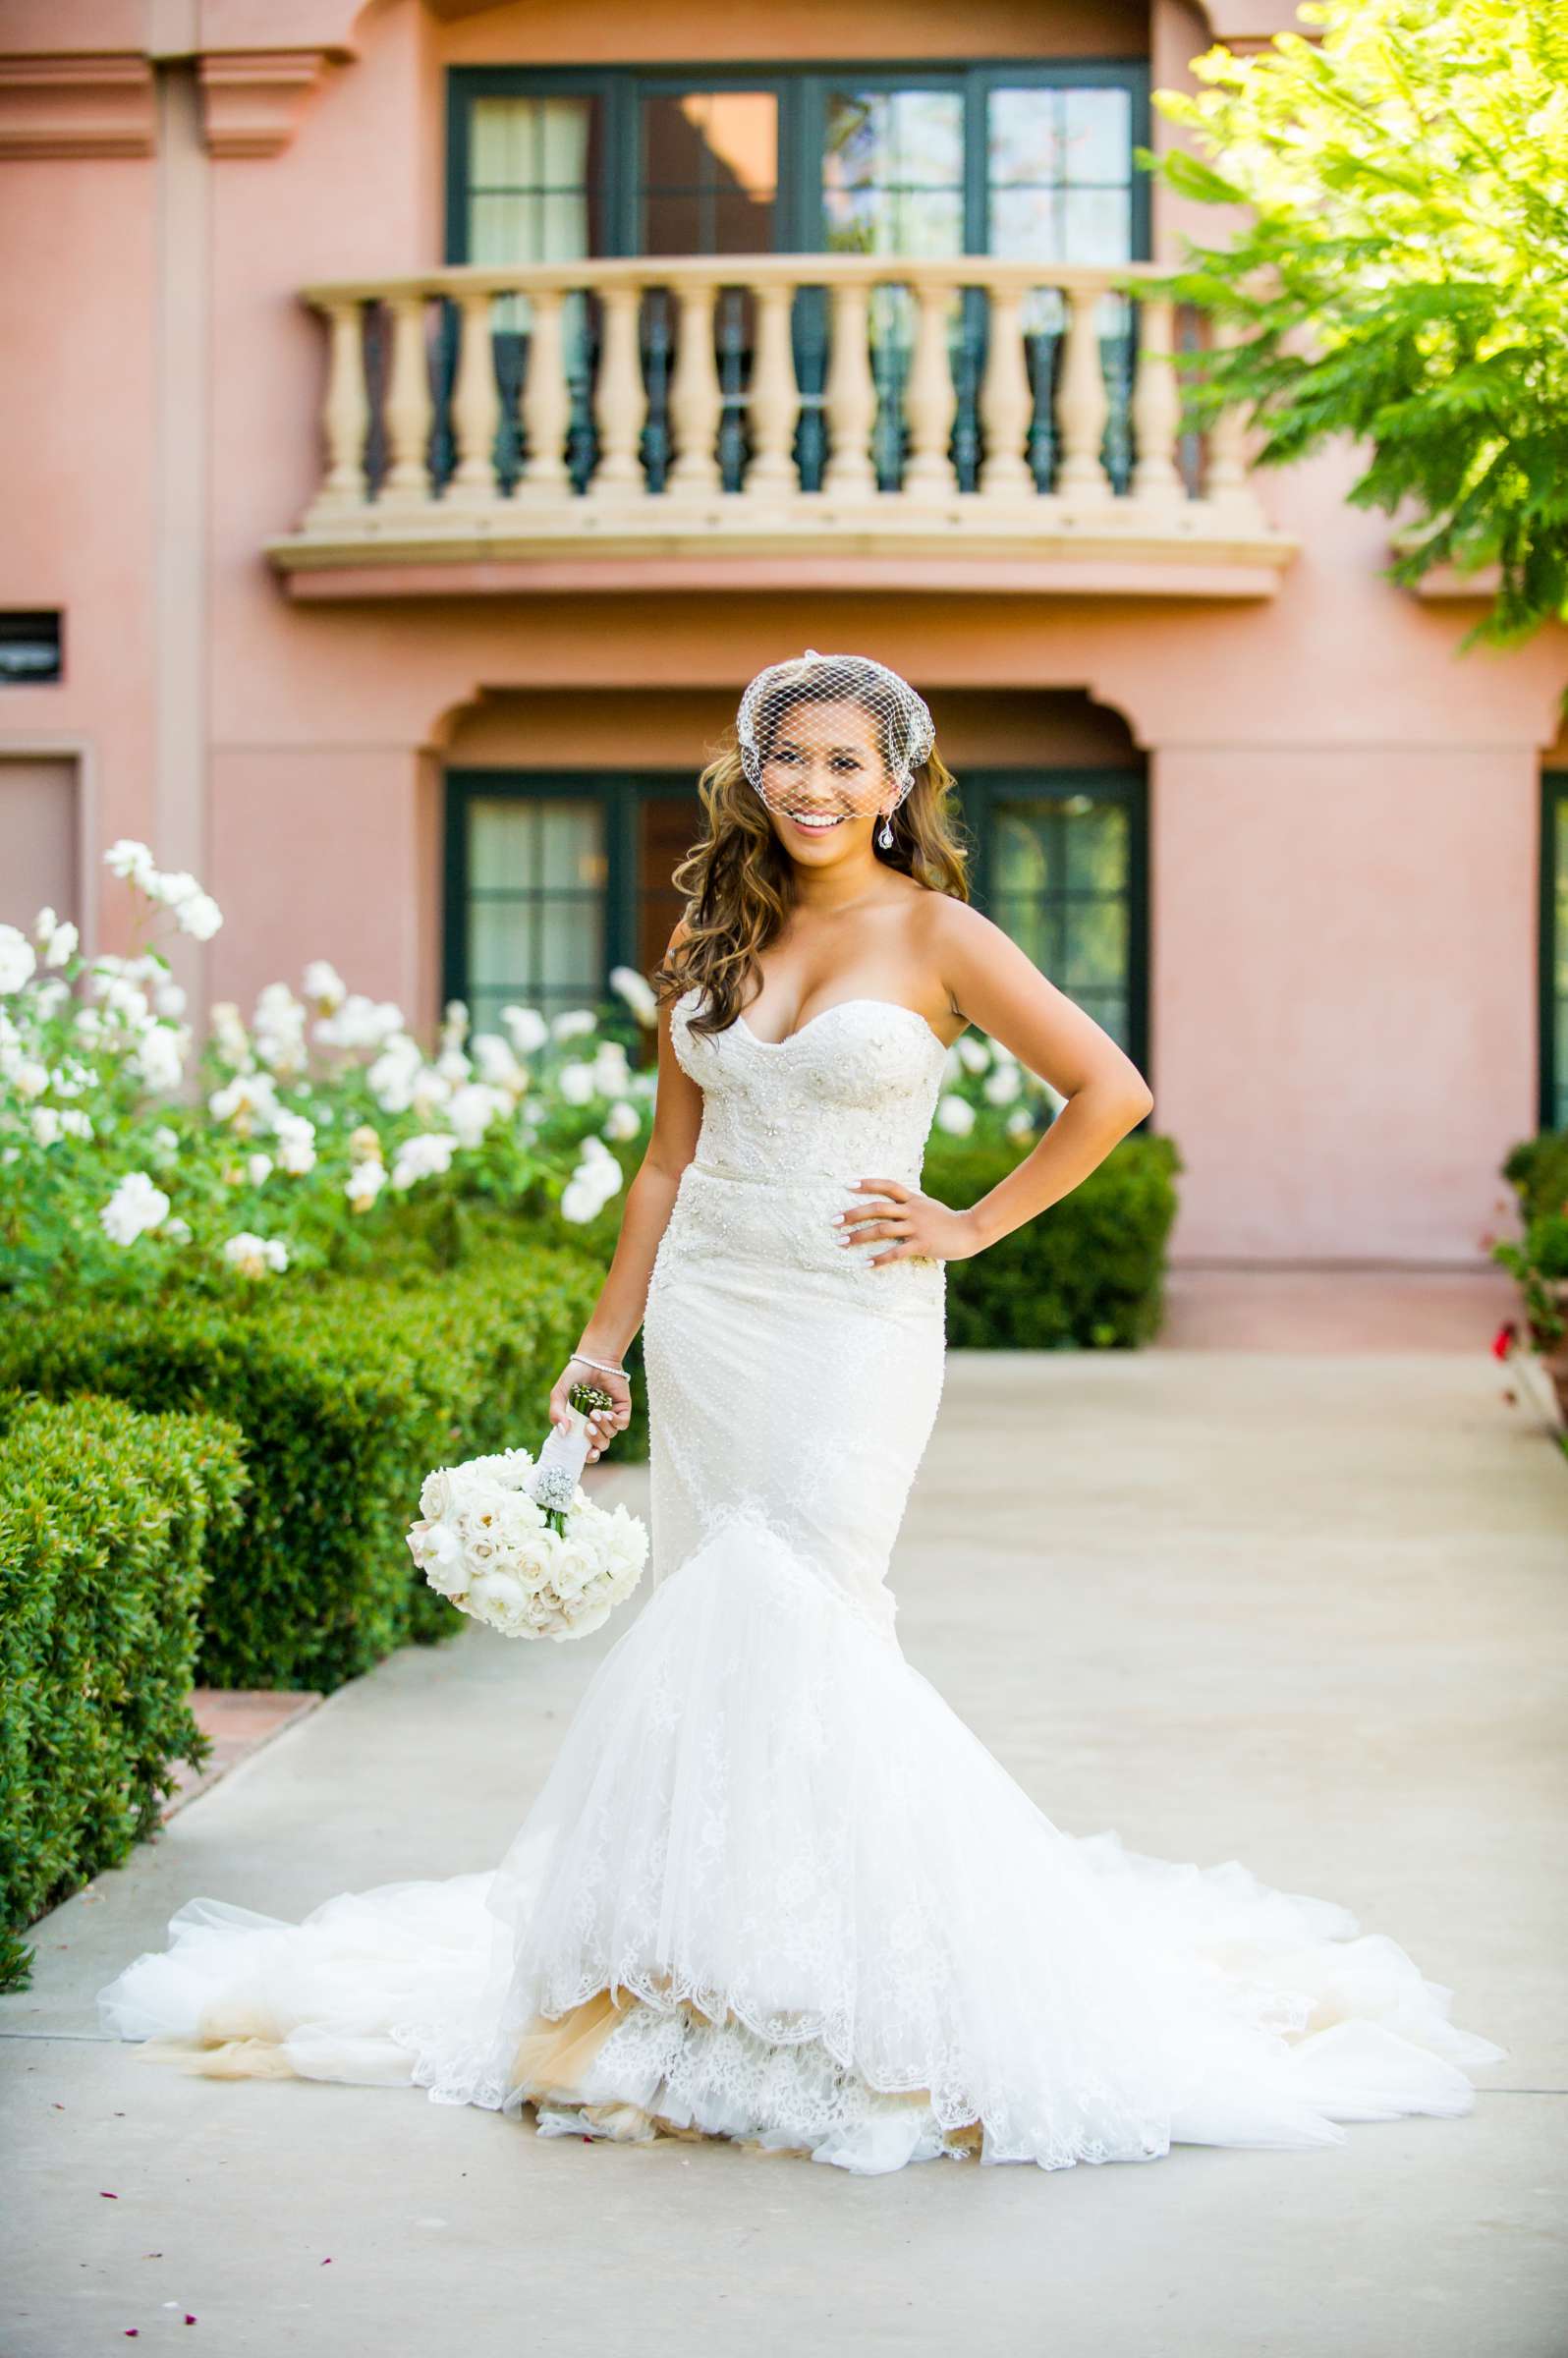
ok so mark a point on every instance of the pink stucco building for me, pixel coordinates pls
(422, 417)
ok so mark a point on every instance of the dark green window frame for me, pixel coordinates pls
(802, 92)
(1552, 944)
(620, 794)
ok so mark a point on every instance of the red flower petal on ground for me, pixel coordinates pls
(1503, 1341)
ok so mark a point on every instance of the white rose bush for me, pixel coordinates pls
(304, 1139)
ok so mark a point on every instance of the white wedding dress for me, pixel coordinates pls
(774, 1888)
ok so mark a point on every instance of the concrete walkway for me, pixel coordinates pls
(1304, 1611)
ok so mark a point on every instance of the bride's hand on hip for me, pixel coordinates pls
(603, 1424)
(906, 1225)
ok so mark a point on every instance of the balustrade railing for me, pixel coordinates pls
(764, 395)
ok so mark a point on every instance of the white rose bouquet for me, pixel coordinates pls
(517, 1544)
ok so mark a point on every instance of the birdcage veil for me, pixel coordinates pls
(791, 720)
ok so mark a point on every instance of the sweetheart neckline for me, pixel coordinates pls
(895, 1006)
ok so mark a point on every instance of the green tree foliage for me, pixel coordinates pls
(1398, 271)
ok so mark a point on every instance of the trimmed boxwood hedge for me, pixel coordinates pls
(1089, 1271)
(346, 1395)
(107, 1518)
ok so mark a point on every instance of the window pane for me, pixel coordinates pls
(535, 915)
(893, 138)
(709, 172)
(1097, 225)
(1027, 225)
(1024, 137)
(532, 179)
(1097, 134)
(1060, 887)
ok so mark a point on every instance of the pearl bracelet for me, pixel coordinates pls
(603, 1366)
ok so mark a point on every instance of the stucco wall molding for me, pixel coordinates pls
(76, 106)
(252, 99)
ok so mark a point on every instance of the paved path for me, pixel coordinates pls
(1305, 1611)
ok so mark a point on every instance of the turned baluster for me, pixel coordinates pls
(1083, 404)
(774, 402)
(850, 397)
(930, 399)
(619, 400)
(696, 400)
(1156, 483)
(408, 407)
(345, 417)
(546, 400)
(1006, 402)
(476, 408)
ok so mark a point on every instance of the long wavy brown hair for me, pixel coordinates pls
(738, 881)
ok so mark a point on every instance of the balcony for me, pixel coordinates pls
(769, 422)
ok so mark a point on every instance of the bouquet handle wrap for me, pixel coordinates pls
(559, 1464)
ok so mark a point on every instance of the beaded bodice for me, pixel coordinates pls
(789, 1126)
(850, 1094)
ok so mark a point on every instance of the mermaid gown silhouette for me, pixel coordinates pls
(774, 1888)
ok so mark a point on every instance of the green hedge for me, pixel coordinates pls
(1088, 1272)
(345, 1396)
(106, 1520)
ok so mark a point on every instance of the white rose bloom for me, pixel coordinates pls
(325, 987)
(57, 939)
(956, 1115)
(574, 1022)
(1002, 1086)
(576, 1082)
(177, 1231)
(166, 1141)
(88, 1025)
(17, 963)
(249, 1102)
(623, 1119)
(49, 998)
(453, 1065)
(169, 999)
(974, 1055)
(45, 1124)
(295, 1144)
(580, 1202)
(159, 1058)
(200, 916)
(437, 1495)
(135, 1207)
(430, 1091)
(363, 1183)
(422, 1157)
(171, 886)
(259, 1169)
(525, 1027)
(637, 992)
(611, 1071)
(28, 1078)
(472, 1110)
(497, 1065)
(1020, 1122)
(255, 1256)
(132, 862)
(76, 1124)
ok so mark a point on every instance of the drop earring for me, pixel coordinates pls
(884, 833)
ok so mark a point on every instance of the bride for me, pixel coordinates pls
(774, 1888)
